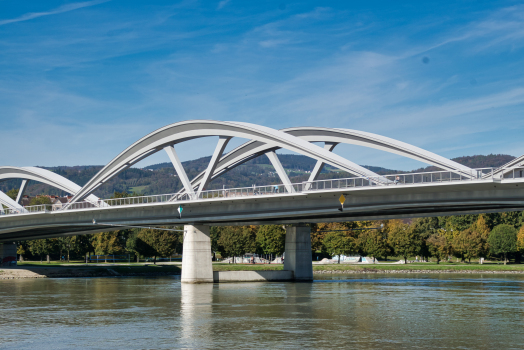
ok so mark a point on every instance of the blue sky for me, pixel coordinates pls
(80, 81)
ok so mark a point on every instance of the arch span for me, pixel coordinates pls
(10, 203)
(44, 176)
(508, 167)
(253, 149)
(187, 130)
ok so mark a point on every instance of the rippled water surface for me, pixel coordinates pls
(372, 312)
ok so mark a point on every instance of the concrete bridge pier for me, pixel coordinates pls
(196, 255)
(298, 252)
(197, 266)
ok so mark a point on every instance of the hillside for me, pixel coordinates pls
(161, 178)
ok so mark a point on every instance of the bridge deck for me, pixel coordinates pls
(314, 205)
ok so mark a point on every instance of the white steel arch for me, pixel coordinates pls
(47, 177)
(10, 203)
(187, 130)
(507, 168)
(253, 149)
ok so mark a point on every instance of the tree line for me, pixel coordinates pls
(152, 243)
(463, 236)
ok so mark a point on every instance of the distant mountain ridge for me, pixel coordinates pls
(161, 178)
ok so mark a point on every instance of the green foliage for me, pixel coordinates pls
(338, 243)
(82, 244)
(39, 200)
(135, 245)
(460, 222)
(13, 193)
(271, 239)
(469, 244)
(320, 230)
(425, 228)
(106, 243)
(503, 240)
(509, 218)
(373, 243)
(236, 240)
(156, 243)
(482, 229)
(520, 240)
(65, 245)
(42, 247)
(438, 246)
(404, 240)
(21, 249)
(120, 195)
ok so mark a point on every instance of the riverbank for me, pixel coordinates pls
(36, 270)
(58, 271)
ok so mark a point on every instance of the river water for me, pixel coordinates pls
(352, 311)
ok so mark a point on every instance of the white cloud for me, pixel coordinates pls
(60, 9)
(222, 3)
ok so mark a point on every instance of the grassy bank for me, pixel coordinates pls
(443, 267)
(38, 270)
(56, 269)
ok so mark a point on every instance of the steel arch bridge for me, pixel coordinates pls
(17, 221)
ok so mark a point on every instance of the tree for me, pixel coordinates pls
(43, 247)
(271, 239)
(403, 239)
(40, 200)
(460, 222)
(82, 244)
(21, 249)
(503, 240)
(320, 230)
(338, 243)
(249, 234)
(156, 242)
(373, 243)
(231, 242)
(468, 244)
(65, 244)
(235, 241)
(438, 246)
(482, 229)
(317, 239)
(425, 228)
(134, 245)
(520, 240)
(13, 193)
(106, 243)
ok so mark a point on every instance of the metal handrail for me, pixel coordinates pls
(420, 178)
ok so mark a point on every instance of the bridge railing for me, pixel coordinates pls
(421, 178)
(512, 173)
(400, 179)
(251, 191)
(27, 209)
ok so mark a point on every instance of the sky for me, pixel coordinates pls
(81, 81)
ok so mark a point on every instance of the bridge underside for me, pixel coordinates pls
(403, 201)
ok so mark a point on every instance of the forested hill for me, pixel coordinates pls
(161, 178)
(491, 160)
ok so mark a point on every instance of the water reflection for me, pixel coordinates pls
(370, 312)
(196, 311)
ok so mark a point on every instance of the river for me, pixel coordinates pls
(445, 311)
